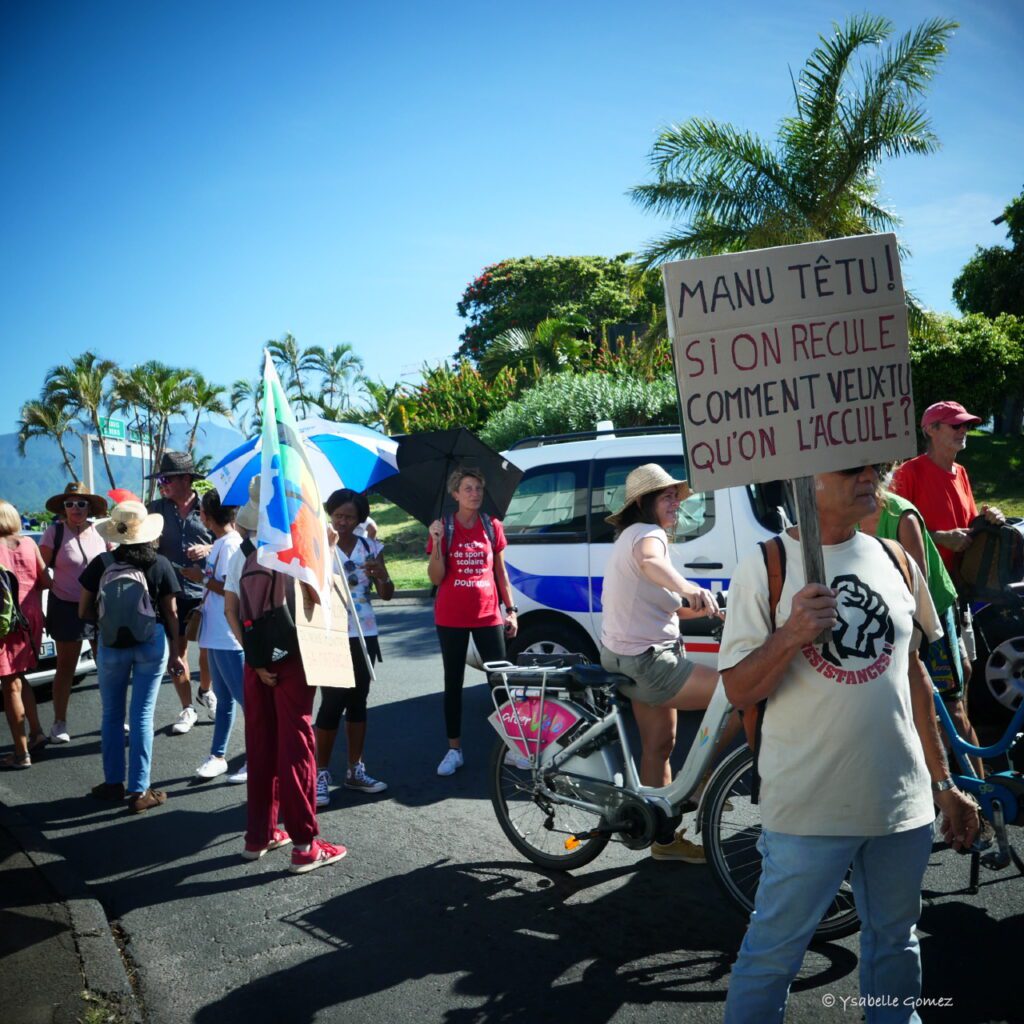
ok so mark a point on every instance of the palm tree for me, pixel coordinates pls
(47, 417)
(386, 409)
(159, 392)
(81, 385)
(551, 346)
(287, 358)
(338, 369)
(818, 180)
(204, 397)
(247, 393)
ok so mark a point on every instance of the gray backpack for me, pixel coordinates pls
(126, 613)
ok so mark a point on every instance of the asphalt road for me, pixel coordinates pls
(433, 916)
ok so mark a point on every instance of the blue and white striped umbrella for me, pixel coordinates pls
(342, 455)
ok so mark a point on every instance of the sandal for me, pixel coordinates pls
(38, 741)
(14, 761)
(140, 802)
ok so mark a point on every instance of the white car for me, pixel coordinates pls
(47, 667)
(559, 542)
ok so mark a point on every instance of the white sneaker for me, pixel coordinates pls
(323, 782)
(516, 760)
(208, 700)
(356, 778)
(451, 762)
(212, 767)
(59, 733)
(241, 777)
(184, 722)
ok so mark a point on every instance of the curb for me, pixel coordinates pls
(403, 598)
(102, 965)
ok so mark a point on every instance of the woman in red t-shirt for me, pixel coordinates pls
(471, 580)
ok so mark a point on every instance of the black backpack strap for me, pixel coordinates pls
(58, 539)
(366, 545)
(247, 547)
(488, 524)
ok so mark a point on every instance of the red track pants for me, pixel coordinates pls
(280, 749)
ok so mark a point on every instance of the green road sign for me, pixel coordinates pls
(112, 428)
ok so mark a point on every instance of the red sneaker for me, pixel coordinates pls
(278, 838)
(319, 855)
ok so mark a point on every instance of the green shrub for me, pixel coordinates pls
(973, 361)
(566, 402)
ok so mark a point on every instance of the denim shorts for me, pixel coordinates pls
(658, 673)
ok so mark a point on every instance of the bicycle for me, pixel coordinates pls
(564, 783)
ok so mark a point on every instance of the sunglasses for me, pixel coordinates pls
(76, 503)
(163, 481)
(958, 426)
(857, 470)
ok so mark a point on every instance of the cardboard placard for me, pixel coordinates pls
(326, 657)
(791, 361)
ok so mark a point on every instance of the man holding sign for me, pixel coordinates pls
(792, 362)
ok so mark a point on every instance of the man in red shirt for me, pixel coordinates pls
(941, 490)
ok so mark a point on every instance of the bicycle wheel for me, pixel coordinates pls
(730, 844)
(536, 826)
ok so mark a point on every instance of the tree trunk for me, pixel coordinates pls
(192, 436)
(103, 448)
(65, 457)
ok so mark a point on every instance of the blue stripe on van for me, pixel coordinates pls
(571, 593)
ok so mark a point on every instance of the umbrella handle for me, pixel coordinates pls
(350, 603)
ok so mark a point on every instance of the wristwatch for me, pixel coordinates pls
(944, 786)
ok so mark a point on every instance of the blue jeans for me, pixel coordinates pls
(226, 672)
(143, 666)
(800, 876)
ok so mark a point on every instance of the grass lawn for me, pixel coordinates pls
(996, 468)
(405, 543)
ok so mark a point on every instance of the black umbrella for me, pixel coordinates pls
(425, 461)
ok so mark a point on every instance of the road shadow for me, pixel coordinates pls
(520, 948)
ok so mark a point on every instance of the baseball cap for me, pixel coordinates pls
(952, 413)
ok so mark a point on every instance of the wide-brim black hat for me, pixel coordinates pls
(176, 464)
(97, 504)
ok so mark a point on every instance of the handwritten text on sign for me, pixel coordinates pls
(791, 361)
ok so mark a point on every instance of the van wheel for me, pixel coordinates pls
(552, 638)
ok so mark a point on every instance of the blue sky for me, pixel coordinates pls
(186, 180)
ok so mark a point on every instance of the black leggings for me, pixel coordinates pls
(490, 642)
(351, 700)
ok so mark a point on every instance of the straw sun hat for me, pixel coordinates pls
(643, 480)
(248, 516)
(97, 505)
(130, 523)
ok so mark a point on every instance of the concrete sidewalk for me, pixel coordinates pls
(58, 956)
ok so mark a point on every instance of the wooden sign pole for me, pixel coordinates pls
(810, 538)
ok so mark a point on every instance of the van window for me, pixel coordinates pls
(772, 503)
(696, 514)
(550, 502)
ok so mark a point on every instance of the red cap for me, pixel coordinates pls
(952, 413)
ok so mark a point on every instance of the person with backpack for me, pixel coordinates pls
(69, 544)
(260, 607)
(130, 592)
(22, 580)
(467, 565)
(898, 519)
(849, 757)
(223, 652)
(363, 563)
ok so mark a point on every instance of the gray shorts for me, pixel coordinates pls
(658, 673)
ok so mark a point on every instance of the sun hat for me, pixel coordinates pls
(952, 413)
(248, 516)
(176, 464)
(643, 480)
(130, 523)
(97, 504)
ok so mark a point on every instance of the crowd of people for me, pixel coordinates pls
(850, 774)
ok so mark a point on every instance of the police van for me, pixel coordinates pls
(559, 542)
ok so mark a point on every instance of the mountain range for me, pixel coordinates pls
(27, 482)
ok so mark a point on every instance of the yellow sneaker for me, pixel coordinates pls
(679, 849)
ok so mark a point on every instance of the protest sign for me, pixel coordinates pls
(323, 643)
(791, 361)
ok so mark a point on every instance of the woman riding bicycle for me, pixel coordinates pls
(643, 600)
